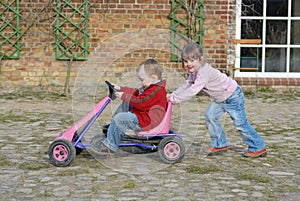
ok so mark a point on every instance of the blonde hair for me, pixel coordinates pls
(191, 50)
(151, 67)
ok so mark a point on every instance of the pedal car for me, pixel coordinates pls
(169, 145)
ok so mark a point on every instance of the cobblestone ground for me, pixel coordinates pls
(28, 125)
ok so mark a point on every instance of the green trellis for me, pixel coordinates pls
(71, 30)
(10, 46)
(186, 24)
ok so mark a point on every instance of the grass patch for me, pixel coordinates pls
(32, 96)
(275, 147)
(289, 97)
(195, 169)
(4, 161)
(129, 184)
(267, 89)
(33, 166)
(271, 95)
(10, 116)
(252, 177)
(74, 172)
(117, 186)
(249, 94)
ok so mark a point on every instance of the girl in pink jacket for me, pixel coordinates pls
(227, 97)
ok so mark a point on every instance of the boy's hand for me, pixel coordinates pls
(117, 87)
(119, 94)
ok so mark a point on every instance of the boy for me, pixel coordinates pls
(227, 97)
(146, 106)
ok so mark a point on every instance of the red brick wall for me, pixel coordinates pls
(283, 83)
(122, 34)
(112, 21)
(219, 31)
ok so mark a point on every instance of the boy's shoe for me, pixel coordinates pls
(105, 128)
(257, 154)
(215, 151)
(99, 151)
(96, 141)
(97, 145)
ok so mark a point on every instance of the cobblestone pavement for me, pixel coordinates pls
(29, 124)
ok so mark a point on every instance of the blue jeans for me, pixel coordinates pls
(123, 107)
(121, 121)
(234, 106)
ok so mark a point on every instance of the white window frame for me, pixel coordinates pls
(263, 74)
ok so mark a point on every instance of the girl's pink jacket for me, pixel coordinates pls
(207, 80)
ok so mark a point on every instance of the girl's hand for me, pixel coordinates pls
(119, 94)
(168, 97)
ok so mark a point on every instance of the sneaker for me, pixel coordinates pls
(215, 151)
(97, 146)
(96, 141)
(105, 128)
(257, 154)
(98, 151)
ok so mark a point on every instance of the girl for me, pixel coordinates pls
(227, 97)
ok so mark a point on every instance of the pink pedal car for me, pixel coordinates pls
(169, 145)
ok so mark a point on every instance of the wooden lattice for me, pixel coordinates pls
(71, 30)
(10, 47)
(186, 24)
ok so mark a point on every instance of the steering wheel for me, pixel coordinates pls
(112, 90)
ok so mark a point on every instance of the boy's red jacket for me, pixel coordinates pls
(149, 106)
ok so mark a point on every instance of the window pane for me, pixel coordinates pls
(295, 60)
(277, 8)
(295, 32)
(275, 60)
(251, 29)
(252, 8)
(276, 32)
(295, 8)
(251, 58)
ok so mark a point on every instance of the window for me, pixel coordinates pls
(277, 24)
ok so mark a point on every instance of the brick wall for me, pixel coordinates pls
(219, 32)
(111, 25)
(281, 84)
(122, 33)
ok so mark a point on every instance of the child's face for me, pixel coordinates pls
(192, 65)
(145, 79)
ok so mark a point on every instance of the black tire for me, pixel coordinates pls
(61, 153)
(171, 150)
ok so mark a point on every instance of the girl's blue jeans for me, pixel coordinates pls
(234, 106)
(123, 119)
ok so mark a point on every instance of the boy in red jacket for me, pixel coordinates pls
(146, 106)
